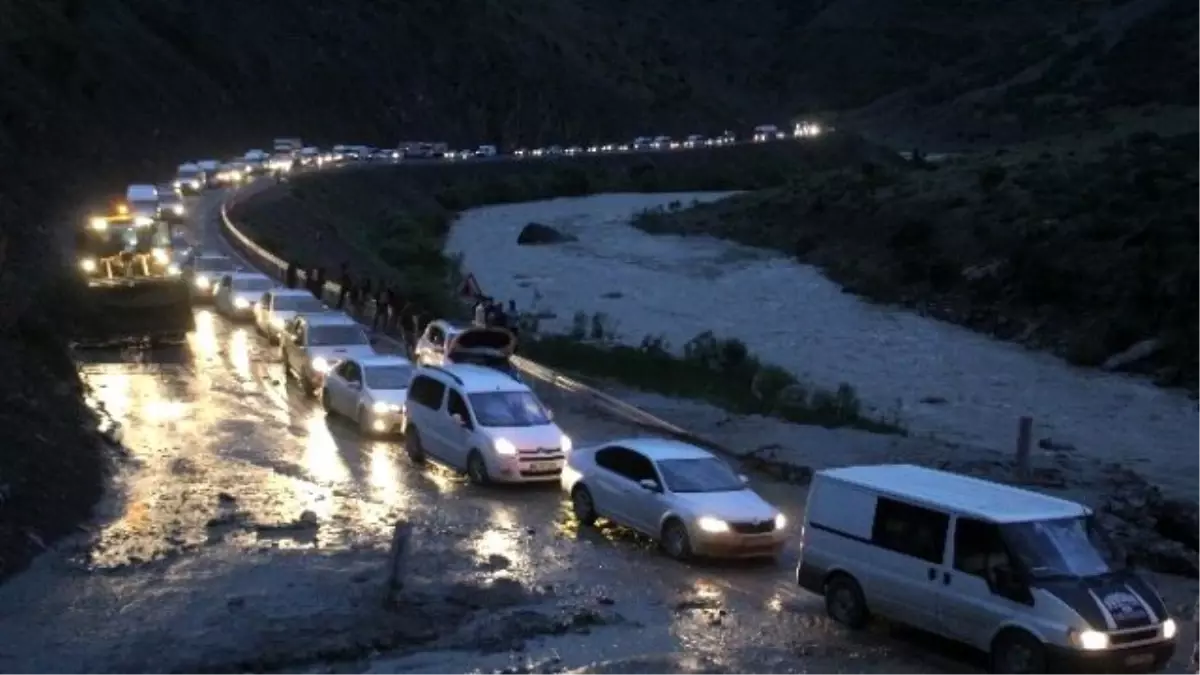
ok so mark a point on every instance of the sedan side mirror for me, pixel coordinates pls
(650, 485)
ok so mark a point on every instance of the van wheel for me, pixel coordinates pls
(675, 540)
(844, 601)
(413, 447)
(583, 506)
(477, 469)
(1015, 651)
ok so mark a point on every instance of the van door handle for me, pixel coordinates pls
(932, 574)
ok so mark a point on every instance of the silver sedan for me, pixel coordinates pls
(686, 498)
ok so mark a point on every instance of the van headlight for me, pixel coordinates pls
(241, 303)
(1169, 628)
(566, 443)
(320, 365)
(1090, 640)
(780, 521)
(177, 209)
(504, 446)
(712, 525)
(87, 265)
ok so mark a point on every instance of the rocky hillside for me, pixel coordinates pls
(1088, 251)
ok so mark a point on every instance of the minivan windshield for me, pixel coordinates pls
(699, 474)
(509, 409)
(1063, 547)
(327, 336)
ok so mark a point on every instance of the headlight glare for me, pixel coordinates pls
(504, 446)
(1169, 629)
(712, 525)
(1090, 640)
(379, 407)
(567, 444)
(241, 303)
(780, 521)
(320, 365)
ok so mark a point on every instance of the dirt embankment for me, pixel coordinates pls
(1088, 252)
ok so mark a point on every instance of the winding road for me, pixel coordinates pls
(247, 529)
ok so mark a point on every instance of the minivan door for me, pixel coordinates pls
(981, 588)
(910, 542)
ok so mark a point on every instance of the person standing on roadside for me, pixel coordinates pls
(362, 295)
(291, 276)
(396, 303)
(346, 284)
(379, 320)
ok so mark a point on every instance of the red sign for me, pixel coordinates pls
(470, 288)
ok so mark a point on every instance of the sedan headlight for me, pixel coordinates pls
(202, 282)
(177, 209)
(566, 443)
(380, 408)
(1169, 628)
(241, 303)
(1090, 640)
(320, 365)
(504, 446)
(712, 525)
(780, 521)
(87, 265)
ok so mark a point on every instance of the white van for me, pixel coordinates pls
(1022, 576)
(483, 422)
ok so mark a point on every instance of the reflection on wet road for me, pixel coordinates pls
(233, 473)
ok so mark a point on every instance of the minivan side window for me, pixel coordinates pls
(426, 391)
(979, 548)
(456, 405)
(910, 530)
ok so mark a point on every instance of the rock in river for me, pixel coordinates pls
(537, 233)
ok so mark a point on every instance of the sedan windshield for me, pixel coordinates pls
(298, 303)
(388, 377)
(701, 474)
(252, 284)
(509, 409)
(1064, 547)
(215, 265)
(326, 336)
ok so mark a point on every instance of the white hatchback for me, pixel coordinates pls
(237, 294)
(279, 305)
(689, 500)
(369, 390)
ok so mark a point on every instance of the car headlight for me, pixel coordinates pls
(712, 525)
(202, 282)
(99, 224)
(178, 209)
(320, 365)
(277, 323)
(566, 443)
(87, 265)
(1090, 640)
(504, 446)
(1169, 628)
(241, 303)
(780, 521)
(159, 255)
(143, 221)
(173, 270)
(380, 408)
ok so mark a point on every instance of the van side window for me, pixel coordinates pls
(910, 530)
(427, 392)
(979, 548)
(455, 405)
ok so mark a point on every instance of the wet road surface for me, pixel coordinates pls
(248, 530)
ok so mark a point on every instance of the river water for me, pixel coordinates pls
(942, 380)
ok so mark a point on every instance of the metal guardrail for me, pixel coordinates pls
(277, 267)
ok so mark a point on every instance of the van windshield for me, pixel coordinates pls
(509, 409)
(1064, 547)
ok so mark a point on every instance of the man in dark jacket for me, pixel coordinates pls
(292, 276)
(396, 303)
(346, 284)
(379, 321)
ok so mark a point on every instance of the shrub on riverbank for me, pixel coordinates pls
(720, 371)
(1086, 250)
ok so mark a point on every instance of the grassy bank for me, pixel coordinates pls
(1084, 249)
(391, 223)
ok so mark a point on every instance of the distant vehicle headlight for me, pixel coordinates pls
(173, 270)
(159, 255)
(320, 365)
(241, 303)
(203, 282)
(379, 407)
(177, 209)
(504, 446)
(277, 323)
(98, 224)
(780, 521)
(87, 265)
(143, 221)
(712, 525)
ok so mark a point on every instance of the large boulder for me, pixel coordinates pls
(535, 234)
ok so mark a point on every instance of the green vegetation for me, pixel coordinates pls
(1083, 250)
(720, 371)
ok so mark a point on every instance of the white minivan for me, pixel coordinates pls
(483, 422)
(1024, 577)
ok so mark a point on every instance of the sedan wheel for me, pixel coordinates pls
(477, 469)
(583, 506)
(413, 447)
(675, 540)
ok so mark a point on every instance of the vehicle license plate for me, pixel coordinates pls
(543, 466)
(1139, 659)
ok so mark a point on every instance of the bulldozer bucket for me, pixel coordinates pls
(141, 310)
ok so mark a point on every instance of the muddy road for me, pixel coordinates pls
(249, 531)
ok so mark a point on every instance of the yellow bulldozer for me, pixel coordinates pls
(135, 293)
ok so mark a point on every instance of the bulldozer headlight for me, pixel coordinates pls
(87, 265)
(99, 224)
(159, 255)
(202, 282)
(241, 303)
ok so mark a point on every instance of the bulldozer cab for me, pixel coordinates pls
(134, 288)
